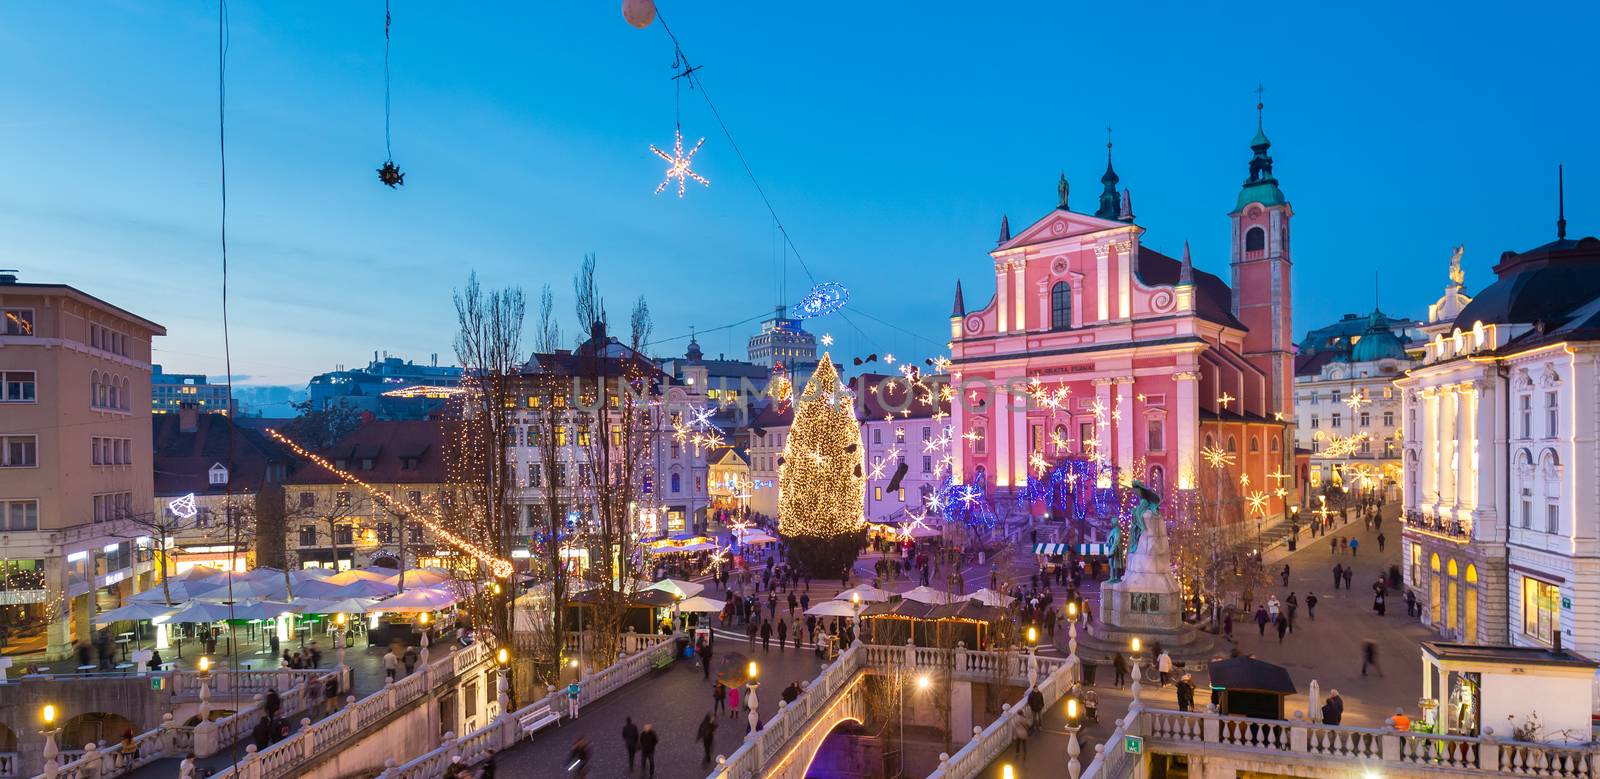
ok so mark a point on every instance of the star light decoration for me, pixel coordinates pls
(1258, 503)
(1217, 457)
(678, 163)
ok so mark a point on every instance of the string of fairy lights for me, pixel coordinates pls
(431, 520)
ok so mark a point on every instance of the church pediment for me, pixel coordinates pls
(1060, 224)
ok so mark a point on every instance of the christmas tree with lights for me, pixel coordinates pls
(821, 485)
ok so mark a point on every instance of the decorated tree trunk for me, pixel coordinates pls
(821, 483)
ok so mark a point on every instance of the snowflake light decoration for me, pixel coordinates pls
(1258, 503)
(1217, 458)
(183, 508)
(825, 298)
(678, 163)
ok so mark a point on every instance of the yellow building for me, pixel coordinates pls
(75, 469)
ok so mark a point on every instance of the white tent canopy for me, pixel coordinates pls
(416, 601)
(868, 593)
(421, 577)
(201, 611)
(370, 574)
(927, 595)
(265, 609)
(244, 588)
(832, 608)
(756, 538)
(341, 606)
(327, 589)
(678, 588)
(989, 597)
(701, 603)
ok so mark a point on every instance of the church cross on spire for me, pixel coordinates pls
(1561, 204)
(1110, 201)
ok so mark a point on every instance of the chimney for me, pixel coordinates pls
(188, 418)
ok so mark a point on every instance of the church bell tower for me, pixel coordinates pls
(1260, 260)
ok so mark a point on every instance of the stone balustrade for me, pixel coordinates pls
(988, 743)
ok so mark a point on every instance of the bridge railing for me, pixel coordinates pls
(286, 757)
(1374, 750)
(170, 740)
(987, 743)
(751, 757)
(504, 731)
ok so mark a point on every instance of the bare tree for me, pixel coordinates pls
(488, 345)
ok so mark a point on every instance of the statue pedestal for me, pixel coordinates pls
(1148, 603)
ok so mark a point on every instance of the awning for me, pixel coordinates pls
(1083, 549)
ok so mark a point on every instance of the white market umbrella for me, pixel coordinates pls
(989, 597)
(1314, 705)
(832, 608)
(416, 601)
(328, 590)
(134, 612)
(341, 606)
(923, 531)
(868, 593)
(182, 591)
(196, 573)
(757, 538)
(244, 589)
(700, 603)
(265, 609)
(302, 575)
(201, 611)
(368, 574)
(927, 595)
(425, 577)
(263, 574)
(678, 588)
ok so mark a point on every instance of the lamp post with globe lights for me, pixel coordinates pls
(752, 672)
(48, 716)
(1074, 717)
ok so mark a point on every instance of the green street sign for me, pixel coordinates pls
(1566, 602)
(157, 682)
(1133, 745)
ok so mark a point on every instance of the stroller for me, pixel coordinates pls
(1091, 707)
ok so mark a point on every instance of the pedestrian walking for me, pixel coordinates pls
(1411, 604)
(1369, 657)
(1353, 544)
(1311, 605)
(391, 664)
(1283, 627)
(1285, 574)
(1378, 604)
(273, 702)
(1185, 693)
(733, 702)
(1380, 542)
(1349, 573)
(1119, 664)
(1338, 574)
(766, 636)
(1261, 620)
(1019, 733)
(719, 696)
(630, 739)
(783, 631)
(647, 749)
(1164, 667)
(1333, 545)
(1227, 625)
(707, 736)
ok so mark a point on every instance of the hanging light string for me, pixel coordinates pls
(388, 146)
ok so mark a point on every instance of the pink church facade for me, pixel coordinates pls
(1115, 352)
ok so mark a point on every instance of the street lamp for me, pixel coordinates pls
(51, 751)
(1074, 712)
(1135, 645)
(1033, 659)
(1007, 772)
(752, 672)
(502, 658)
(339, 635)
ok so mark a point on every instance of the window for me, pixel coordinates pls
(111, 505)
(1526, 407)
(1255, 240)
(1366, 419)
(1233, 444)
(414, 497)
(1550, 426)
(19, 514)
(344, 534)
(561, 435)
(16, 321)
(341, 500)
(1527, 508)
(1388, 393)
(1060, 306)
(1366, 446)
(1155, 440)
(18, 387)
(677, 483)
(1416, 564)
(308, 535)
(385, 533)
(1255, 443)
(1313, 396)
(902, 494)
(19, 451)
(558, 476)
(877, 493)
(1335, 396)
(1388, 419)
(218, 475)
(1552, 518)
(1314, 421)
(1336, 421)
(1540, 616)
(927, 463)
(927, 433)
(899, 434)
(877, 435)
(1274, 443)
(583, 436)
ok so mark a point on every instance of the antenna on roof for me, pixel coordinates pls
(1561, 204)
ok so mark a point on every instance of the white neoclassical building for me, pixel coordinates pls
(1502, 456)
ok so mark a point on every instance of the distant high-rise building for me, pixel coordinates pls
(169, 391)
(784, 340)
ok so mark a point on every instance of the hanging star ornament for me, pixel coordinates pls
(678, 163)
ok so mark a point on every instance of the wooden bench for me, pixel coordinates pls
(538, 719)
(661, 661)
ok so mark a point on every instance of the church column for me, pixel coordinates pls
(1448, 403)
(1124, 423)
(1020, 295)
(1466, 435)
(1001, 445)
(1102, 278)
(1187, 422)
(1486, 456)
(1102, 423)
(1430, 446)
(1002, 293)
(958, 424)
(1125, 279)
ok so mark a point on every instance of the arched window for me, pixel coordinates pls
(1433, 589)
(1255, 443)
(1211, 443)
(1158, 479)
(94, 388)
(126, 395)
(1550, 469)
(1452, 613)
(1469, 624)
(1233, 445)
(1060, 306)
(1255, 239)
(1274, 446)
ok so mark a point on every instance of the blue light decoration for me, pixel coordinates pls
(1069, 491)
(968, 504)
(823, 299)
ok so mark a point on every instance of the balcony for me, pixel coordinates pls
(1452, 530)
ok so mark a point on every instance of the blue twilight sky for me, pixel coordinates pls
(890, 136)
